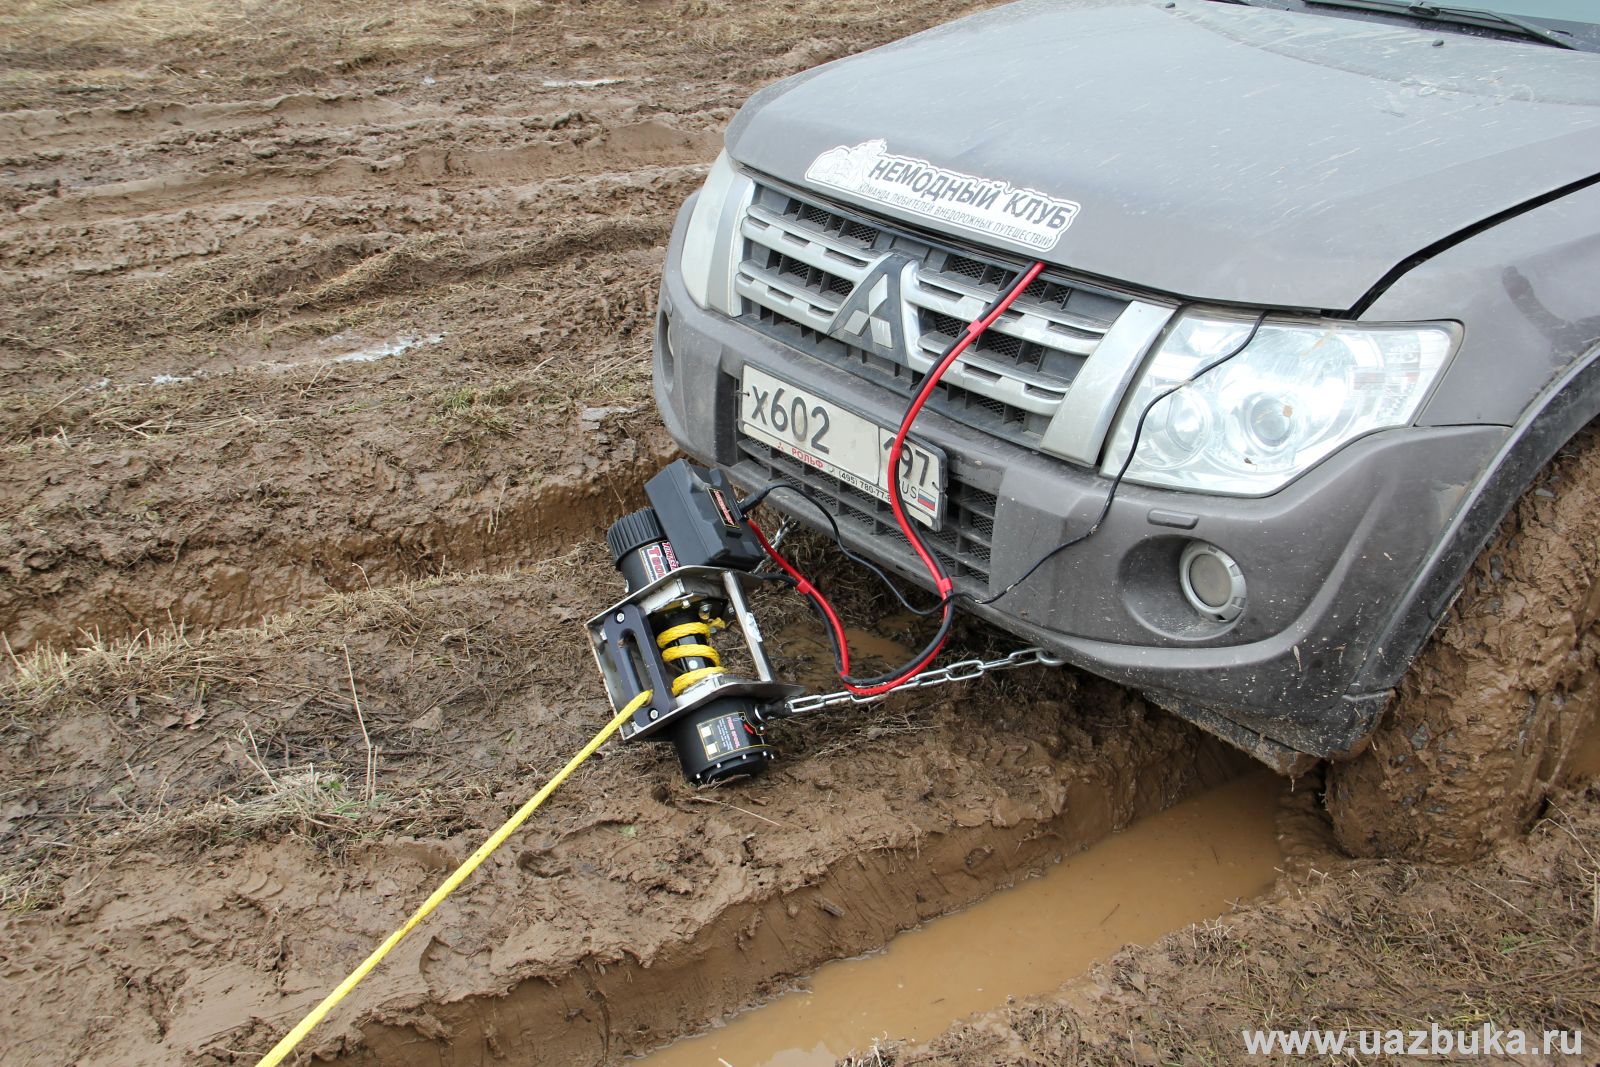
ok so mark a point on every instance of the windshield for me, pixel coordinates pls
(1567, 24)
(1581, 11)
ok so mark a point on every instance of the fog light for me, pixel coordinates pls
(1212, 582)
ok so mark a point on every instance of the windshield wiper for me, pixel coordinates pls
(1453, 16)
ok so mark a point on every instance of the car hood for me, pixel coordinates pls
(1209, 151)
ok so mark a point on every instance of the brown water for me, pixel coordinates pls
(1186, 864)
(871, 652)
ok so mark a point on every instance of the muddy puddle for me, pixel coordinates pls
(1181, 866)
(808, 658)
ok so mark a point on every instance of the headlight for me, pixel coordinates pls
(1251, 423)
(709, 242)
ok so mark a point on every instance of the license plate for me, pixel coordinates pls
(822, 434)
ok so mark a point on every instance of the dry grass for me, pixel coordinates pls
(256, 731)
(318, 805)
(41, 678)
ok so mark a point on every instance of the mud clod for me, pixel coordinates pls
(1484, 724)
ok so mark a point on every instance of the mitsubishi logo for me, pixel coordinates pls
(873, 316)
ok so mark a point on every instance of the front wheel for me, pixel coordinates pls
(1484, 722)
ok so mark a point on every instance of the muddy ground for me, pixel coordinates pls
(1512, 941)
(324, 336)
(305, 299)
(226, 854)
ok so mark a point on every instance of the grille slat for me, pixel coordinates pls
(802, 259)
(834, 256)
(789, 296)
(1030, 323)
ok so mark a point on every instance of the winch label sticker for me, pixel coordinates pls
(723, 510)
(983, 205)
(659, 560)
(720, 737)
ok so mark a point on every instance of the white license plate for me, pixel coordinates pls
(821, 434)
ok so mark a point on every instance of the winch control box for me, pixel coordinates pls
(699, 513)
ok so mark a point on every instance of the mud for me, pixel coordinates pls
(227, 859)
(1584, 766)
(1506, 942)
(1486, 721)
(1192, 862)
(191, 252)
(289, 332)
(323, 365)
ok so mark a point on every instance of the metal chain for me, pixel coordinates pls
(961, 671)
(784, 530)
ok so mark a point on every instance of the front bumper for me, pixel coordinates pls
(1326, 560)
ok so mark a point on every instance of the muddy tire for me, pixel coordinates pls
(1483, 724)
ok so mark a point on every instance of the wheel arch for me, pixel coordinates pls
(1569, 403)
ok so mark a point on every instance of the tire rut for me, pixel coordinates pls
(645, 143)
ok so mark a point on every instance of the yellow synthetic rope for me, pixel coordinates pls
(672, 653)
(498, 838)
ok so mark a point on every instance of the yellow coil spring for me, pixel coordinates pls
(700, 650)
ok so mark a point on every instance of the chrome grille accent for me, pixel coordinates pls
(802, 259)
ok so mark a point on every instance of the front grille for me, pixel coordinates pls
(963, 543)
(801, 260)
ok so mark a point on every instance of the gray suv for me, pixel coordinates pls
(1321, 301)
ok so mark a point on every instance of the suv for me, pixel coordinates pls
(1320, 307)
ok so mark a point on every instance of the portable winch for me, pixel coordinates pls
(688, 561)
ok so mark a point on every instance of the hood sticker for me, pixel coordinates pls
(983, 205)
